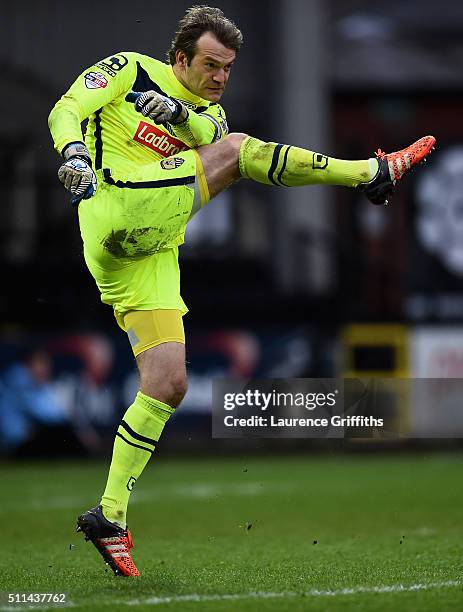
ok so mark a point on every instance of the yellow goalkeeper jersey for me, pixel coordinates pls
(117, 136)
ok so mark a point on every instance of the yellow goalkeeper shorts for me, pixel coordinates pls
(132, 227)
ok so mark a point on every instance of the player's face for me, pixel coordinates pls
(209, 70)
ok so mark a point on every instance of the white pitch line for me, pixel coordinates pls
(206, 490)
(195, 597)
(198, 490)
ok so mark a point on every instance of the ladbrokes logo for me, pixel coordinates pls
(157, 140)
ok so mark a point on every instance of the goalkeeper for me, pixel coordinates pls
(156, 150)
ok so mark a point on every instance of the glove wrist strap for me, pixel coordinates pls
(181, 115)
(77, 149)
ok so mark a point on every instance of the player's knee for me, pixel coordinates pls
(168, 387)
(177, 386)
(234, 141)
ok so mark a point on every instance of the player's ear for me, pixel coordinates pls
(180, 58)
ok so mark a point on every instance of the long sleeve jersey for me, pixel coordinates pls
(117, 136)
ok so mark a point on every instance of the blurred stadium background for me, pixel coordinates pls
(314, 282)
(280, 283)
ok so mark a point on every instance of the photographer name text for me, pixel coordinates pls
(272, 421)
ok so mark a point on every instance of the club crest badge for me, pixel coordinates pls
(171, 163)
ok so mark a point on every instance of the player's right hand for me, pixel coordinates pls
(159, 108)
(76, 174)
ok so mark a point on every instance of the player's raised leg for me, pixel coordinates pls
(239, 155)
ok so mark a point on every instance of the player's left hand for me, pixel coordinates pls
(159, 108)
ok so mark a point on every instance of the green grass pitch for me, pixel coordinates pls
(369, 532)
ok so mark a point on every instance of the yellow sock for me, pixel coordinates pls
(136, 436)
(288, 166)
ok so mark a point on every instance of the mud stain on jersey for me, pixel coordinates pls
(113, 243)
(133, 243)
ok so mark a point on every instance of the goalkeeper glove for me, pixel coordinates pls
(76, 173)
(159, 108)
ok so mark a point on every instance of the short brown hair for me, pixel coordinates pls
(198, 20)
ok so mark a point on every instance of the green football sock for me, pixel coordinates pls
(136, 436)
(288, 166)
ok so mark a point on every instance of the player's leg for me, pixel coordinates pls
(157, 339)
(163, 372)
(163, 384)
(220, 163)
(239, 155)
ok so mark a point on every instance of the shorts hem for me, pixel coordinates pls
(157, 306)
(145, 347)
